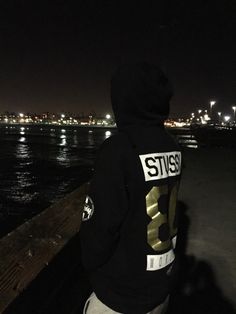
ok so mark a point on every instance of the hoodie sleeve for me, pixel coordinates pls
(105, 208)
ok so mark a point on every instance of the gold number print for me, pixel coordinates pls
(159, 219)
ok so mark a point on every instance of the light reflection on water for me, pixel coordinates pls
(63, 140)
(75, 141)
(22, 139)
(22, 178)
(63, 157)
(90, 138)
(107, 134)
(22, 150)
(187, 140)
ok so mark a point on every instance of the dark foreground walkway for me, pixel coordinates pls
(208, 202)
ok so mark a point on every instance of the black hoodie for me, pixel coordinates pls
(129, 230)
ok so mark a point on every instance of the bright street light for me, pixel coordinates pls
(219, 114)
(108, 116)
(226, 118)
(234, 109)
(212, 103)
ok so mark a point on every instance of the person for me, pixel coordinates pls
(129, 227)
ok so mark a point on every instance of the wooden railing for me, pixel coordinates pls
(26, 251)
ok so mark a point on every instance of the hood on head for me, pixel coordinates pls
(140, 95)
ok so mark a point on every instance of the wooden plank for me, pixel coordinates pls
(28, 249)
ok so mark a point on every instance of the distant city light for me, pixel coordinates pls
(206, 117)
(212, 103)
(199, 116)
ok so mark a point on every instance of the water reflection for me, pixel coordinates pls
(52, 133)
(75, 141)
(22, 131)
(191, 146)
(187, 140)
(22, 150)
(63, 157)
(23, 178)
(63, 152)
(107, 134)
(90, 138)
(22, 139)
(63, 140)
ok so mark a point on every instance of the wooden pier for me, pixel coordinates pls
(29, 251)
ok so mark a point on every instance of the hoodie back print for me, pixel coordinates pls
(128, 243)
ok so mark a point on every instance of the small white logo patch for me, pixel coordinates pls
(88, 209)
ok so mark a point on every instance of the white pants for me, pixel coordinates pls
(94, 306)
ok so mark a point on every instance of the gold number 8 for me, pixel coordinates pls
(158, 218)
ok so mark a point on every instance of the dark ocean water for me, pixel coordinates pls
(40, 164)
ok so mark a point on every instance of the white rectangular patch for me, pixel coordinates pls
(156, 262)
(161, 165)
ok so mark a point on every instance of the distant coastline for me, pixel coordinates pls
(58, 125)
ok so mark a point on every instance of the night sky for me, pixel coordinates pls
(59, 55)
